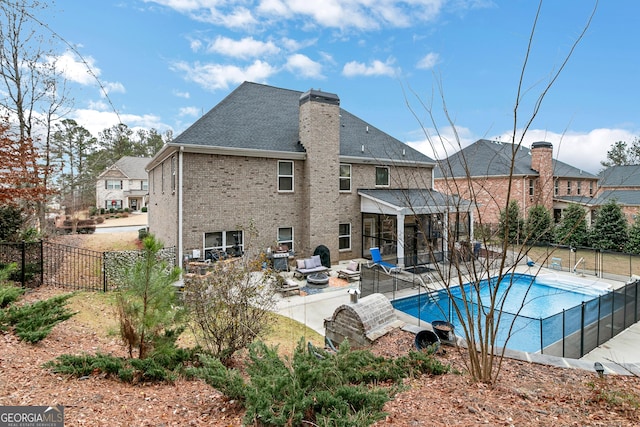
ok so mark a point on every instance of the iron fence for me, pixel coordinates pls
(71, 267)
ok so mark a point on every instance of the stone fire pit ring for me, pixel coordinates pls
(318, 280)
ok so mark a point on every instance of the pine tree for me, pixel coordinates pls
(572, 229)
(539, 225)
(511, 223)
(610, 229)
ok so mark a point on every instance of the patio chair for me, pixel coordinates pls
(351, 272)
(377, 260)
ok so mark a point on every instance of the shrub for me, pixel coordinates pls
(144, 209)
(102, 211)
(33, 322)
(316, 387)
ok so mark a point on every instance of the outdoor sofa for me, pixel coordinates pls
(307, 266)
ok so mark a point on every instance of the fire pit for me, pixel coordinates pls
(318, 280)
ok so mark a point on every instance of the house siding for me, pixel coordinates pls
(162, 212)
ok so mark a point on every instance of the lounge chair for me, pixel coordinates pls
(351, 272)
(376, 258)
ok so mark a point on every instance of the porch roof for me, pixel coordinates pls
(412, 201)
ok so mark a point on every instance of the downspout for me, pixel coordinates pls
(180, 214)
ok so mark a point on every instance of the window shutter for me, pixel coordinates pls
(105, 185)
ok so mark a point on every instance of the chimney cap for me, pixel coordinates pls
(319, 96)
(541, 144)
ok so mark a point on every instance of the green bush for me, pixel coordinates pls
(143, 209)
(33, 322)
(315, 387)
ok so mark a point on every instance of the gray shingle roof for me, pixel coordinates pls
(622, 197)
(415, 198)
(260, 117)
(131, 167)
(493, 158)
(620, 176)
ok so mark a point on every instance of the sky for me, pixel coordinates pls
(428, 72)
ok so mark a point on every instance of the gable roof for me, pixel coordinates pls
(130, 167)
(620, 176)
(265, 119)
(493, 158)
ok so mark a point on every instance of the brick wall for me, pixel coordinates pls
(320, 136)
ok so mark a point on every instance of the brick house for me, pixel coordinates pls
(303, 171)
(123, 184)
(481, 172)
(622, 184)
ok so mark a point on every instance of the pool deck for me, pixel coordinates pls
(620, 355)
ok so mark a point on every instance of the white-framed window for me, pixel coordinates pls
(345, 177)
(591, 188)
(344, 237)
(114, 203)
(223, 242)
(144, 185)
(556, 187)
(579, 189)
(285, 237)
(113, 184)
(285, 176)
(532, 187)
(568, 188)
(382, 176)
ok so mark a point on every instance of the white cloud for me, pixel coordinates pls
(429, 61)
(182, 94)
(343, 14)
(376, 68)
(441, 145)
(189, 111)
(583, 150)
(218, 76)
(84, 73)
(247, 47)
(302, 65)
(113, 87)
(97, 121)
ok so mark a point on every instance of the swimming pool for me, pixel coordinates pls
(535, 298)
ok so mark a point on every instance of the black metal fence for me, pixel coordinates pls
(578, 330)
(55, 264)
(571, 333)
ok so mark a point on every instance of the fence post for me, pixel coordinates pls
(41, 262)
(582, 329)
(104, 273)
(23, 247)
(541, 338)
(563, 331)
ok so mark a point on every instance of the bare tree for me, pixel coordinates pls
(481, 316)
(34, 89)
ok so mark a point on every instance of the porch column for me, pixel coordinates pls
(400, 245)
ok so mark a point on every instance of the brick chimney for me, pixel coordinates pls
(542, 162)
(319, 132)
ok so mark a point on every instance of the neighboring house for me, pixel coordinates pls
(123, 185)
(622, 184)
(270, 166)
(482, 172)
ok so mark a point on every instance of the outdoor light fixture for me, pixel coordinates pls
(599, 368)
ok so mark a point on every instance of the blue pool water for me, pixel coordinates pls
(534, 298)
